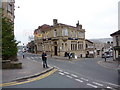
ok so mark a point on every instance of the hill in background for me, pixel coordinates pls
(101, 40)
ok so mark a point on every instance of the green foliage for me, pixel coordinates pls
(9, 45)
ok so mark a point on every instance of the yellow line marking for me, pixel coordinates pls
(30, 80)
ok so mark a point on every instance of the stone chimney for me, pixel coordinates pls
(79, 26)
(55, 22)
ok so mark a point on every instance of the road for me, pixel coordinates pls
(83, 73)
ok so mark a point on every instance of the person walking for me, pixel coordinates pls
(44, 59)
(70, 55)
(105, 56)
(23, 52)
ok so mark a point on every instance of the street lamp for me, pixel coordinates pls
(51, 49)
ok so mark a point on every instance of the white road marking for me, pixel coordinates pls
(60, 70)
(68, 76)
(61, 73)
(113, 84)
(109, 87)
(66, 72)
(84, 79)
(97, 83)
(37, 57)
(91, 85)
(27, 57)
(74, 75)
(78, 80)
(32, 57)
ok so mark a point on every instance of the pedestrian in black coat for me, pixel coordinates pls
(44, 59)
(105, 56)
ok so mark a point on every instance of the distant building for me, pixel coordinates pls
(116, 44)
(31, 47)
(89, 49)
(107, 49)
(60, 38)
(98, 49)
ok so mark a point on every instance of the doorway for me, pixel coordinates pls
(55, 50)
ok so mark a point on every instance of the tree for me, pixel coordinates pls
(9, 45)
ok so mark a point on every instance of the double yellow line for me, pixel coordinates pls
(29, 80)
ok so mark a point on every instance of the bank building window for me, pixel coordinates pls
(9, 7)
(55, 33)
(64, 32)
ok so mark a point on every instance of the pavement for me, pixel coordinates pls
(109, 64)
(29, 69)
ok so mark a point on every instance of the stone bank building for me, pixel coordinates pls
(60, 38)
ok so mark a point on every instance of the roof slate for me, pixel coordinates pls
(115, 33)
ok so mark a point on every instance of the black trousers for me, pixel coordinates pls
(45, 63)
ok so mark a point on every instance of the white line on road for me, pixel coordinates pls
(37, 57)
(60, 70)
(109, 87)
(66, 72)
(91, 85)
(32, 57)
(97, 83)
(61, 73)
(68, 76)
(27, 57)
(74, 75)
(78, 80)
(84, 79)
(113, 84)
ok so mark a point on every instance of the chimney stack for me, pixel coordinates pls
(55, 22)
(79, 26)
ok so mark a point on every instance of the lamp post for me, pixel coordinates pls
(51, 49)
(23, 51)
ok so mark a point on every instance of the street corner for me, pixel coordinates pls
(31, 78)
(109, 64)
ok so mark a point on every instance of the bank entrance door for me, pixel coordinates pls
(55, 50)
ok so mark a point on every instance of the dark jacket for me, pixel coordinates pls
(44, 56)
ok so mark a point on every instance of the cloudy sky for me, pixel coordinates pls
(98, 17)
